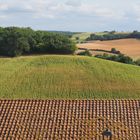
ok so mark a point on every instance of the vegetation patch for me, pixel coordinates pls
(129, 47)
(85, 53)
(118, 58)
(16, 41)
(67, 77)
(113, 36)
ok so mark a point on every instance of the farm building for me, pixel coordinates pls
(70, 119)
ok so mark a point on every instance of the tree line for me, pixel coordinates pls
(15, 41)
(113, 35)
(118, 57)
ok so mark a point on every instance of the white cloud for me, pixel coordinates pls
(73, 3)
(3, 17)
(3, 6)
(63, 11)
(136, 12)
(53, 8)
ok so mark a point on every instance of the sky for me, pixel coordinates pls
(71, 15)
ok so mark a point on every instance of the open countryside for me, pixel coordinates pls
(69, 70)
(130, 47)
(67, 77)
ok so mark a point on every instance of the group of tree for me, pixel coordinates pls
(16, 41)
(113, 35)
(113, 50)
(85, 53)
(119, 58)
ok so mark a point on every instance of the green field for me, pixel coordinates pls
(82, 36)
(67, 77)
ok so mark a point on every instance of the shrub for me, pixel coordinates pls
(118, 58)
(125, 59)
(85, 53)
(113, 50)
(137, 62)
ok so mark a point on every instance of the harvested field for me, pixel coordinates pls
(130, 47)
(69, 119)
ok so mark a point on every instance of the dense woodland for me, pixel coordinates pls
(113, 35)
(16, 41)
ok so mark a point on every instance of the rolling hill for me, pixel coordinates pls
(130, 47)
(84, 35)
(67, 77)
(81, 36)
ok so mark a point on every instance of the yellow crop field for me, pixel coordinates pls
(130, 47)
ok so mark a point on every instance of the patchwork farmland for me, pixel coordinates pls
(130, 47)
(67, 77)
(42, 96)
(69, 119)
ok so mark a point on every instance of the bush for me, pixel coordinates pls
(118, 58)
(125, 59)
(113, 50)
(85, 53)
(137, 62)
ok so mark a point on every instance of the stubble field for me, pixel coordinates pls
(130, 47)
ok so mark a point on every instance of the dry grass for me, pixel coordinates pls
(130, 47)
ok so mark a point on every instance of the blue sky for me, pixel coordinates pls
(71, 15)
